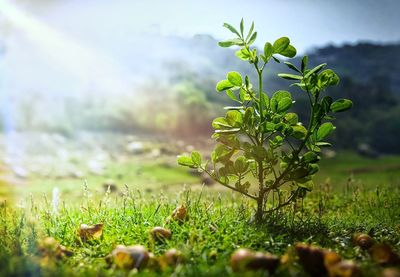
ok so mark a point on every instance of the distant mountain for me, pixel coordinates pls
(363, 62)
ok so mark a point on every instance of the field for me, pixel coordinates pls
(134, 190)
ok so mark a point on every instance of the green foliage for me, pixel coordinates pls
(260, 137)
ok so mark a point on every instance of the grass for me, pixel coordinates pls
(370, 173)
(219, 221)
(324, 219)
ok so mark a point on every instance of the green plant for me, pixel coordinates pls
(260, 137)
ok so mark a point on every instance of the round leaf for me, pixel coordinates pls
(299, 131)
(224, 85)
(291, 118)
(289, 52)
(185, 161)
(325, 130)
(281, 44)
(341, 105)
(284, 104)
(196, 158)
(234, 78)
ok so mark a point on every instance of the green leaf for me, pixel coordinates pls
(299, 132)
(279, 94)
(230, 140)
(284, 104)
(306, 185)
(241, 165)
(304, 63)
(292, 66)
(325, 130)
(241, 27)
(341, 105)
(323, 143)
(231, 28)
(269, 126)
(289, 52)
(250, 31)
(228, 131)
(312, 169)
(234, 78)
(231, 42)
(328, 78)
(281, 44)
(314, 70)
(220, 122)
(234, 118)
(248, 116)
(244, 96)
(242, 54)
(276, 59)
(310, 157)
(252, 38)
(268, 50)
(277, 97)
(259, 152)
(231, 95)
(291, 118)
(185, 161)
(196, 158)
(237, 108)
(299, 173)
(221, 153)
(264, 100)
(290, 76)
(224, 85)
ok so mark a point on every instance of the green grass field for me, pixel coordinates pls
(352, 194)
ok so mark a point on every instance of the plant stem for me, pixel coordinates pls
(260, 199)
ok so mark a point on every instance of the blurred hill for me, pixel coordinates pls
(172, 91)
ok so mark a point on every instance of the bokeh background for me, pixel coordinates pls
(98, 90)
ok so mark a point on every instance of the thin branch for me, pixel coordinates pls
(229, 186)
(287, 202)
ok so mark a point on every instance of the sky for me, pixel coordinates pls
(91, 45)
(308, 23)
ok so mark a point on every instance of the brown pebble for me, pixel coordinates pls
(383, 254)
(364, 241)
(344, 269)
(245, 259)
(129, 257)
(160, 233)
(180, 213)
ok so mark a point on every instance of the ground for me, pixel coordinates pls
(131, 188)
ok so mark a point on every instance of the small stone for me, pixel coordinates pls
(90, 232)
(180, 213)
(344, 269)
(160, 233)
(364, 241)
(383, 254)
(129, 257)
(171, 257)
(245, 259)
